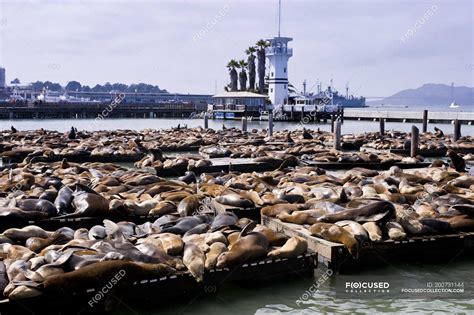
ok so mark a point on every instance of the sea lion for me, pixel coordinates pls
(198, 229)
(183, 225)
(215, 237)
(215, 250)
(355, 229)
(88, 204)
(274, 238)
(194, 259)
(374, 231)
(21, 235)
(294, 247)
(335, 233)
(302, 217)
(457, 162)
(97, 274)
(274, 210)
(188, 206)
(40, 205)
(162, 208)
(223, 220)
(461, 222)
(172, 244)
(235, 200)
(395, 231)
(247, 247)
(377, 211)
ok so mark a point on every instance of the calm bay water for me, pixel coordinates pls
(281, 297)
(349, 126)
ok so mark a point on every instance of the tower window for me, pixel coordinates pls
(271, 90)
(285, 86)
(284, 69)
(272, 74)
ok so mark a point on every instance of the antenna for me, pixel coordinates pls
(347, 90)
(279, 17)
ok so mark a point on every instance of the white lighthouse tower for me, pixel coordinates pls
(278, 54)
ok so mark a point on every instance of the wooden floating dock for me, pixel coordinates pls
(371, 166)
(54, 223)
(335, 256)
(221, 165)
(160, 291)
(408, 116)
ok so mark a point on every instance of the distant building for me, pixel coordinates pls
(234, 105)
(2, 78)
(240, 98)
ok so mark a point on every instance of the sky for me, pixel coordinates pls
(379, 46)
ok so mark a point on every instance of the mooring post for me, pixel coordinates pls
(382, 126)
(244, 124)
(302, 113)
(415, 139)
(332, 123)
(270, 124)
(337, 135)
(425, 121)
(292, 111)
(457, 130)
(206, 121)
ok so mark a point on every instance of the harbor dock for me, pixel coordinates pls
(408, 116)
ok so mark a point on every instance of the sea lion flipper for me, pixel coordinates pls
(372, 218)
(248, 228)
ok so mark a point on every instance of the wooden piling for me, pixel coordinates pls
(457, 130)
(244, 124)
(206, 121)
(270, 124)
(415, 139)
(382, 126)
(332, 123)
(337, 135)
(425, 121)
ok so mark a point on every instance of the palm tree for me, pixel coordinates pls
(261, 44)
(251, 65)
(243, 75)
(232, 65)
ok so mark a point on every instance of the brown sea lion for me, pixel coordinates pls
(337, 234)
(248, 247)
(215, 250)
(194, 259)
(294, 247)
(97, 274)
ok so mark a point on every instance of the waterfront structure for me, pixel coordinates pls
(231, 105)
(278, 54)
(2, 78)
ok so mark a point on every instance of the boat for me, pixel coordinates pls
(264, 115)
(454, 105)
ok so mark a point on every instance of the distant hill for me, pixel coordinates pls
(430, 94)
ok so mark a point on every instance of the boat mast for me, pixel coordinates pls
(279, 17)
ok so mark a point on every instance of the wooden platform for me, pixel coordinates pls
(432, 248)
(221, 165)
(52, 224)
(162, 291)
(370, 166)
